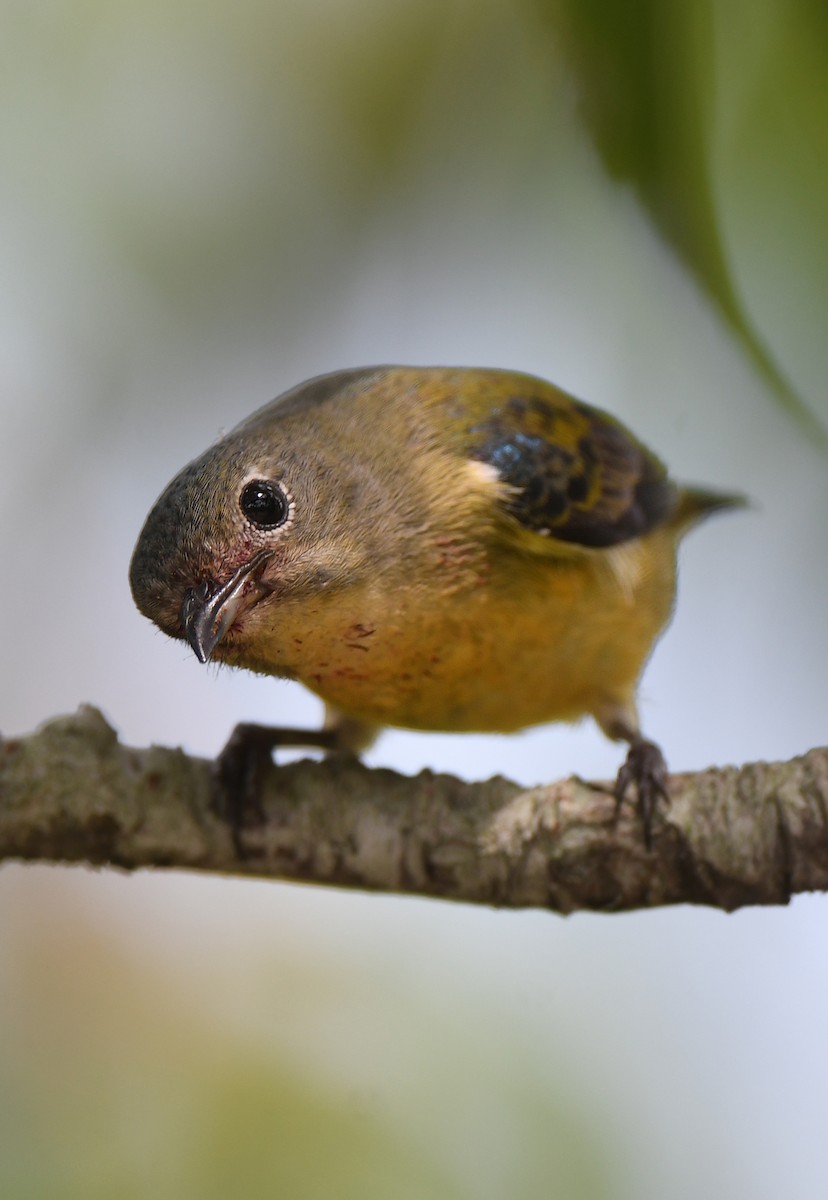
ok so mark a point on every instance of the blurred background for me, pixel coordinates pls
(199, 207)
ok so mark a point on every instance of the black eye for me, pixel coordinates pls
(264, 504)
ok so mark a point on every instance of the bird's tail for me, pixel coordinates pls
(695, 504)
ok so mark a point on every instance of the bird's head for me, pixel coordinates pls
(274, 513)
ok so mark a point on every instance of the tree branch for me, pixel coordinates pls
(755, 835)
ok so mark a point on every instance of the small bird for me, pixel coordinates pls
(452, 549)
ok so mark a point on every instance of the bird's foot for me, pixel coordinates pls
(646, 768)
(240, 770)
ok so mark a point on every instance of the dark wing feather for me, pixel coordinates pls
(577, 474)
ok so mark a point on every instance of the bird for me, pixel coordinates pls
(431, 548)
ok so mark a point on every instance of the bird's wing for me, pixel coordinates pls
(572, 473)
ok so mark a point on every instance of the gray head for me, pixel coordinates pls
(261, 513)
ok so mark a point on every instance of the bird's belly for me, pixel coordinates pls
(479, 660)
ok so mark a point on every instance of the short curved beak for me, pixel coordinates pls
(210, 609)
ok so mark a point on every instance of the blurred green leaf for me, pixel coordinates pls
(646, 80)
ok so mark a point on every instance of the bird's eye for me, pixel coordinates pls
(264, 504)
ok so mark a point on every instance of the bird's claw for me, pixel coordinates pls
(646, 768)
(241, 768)
(238, 777)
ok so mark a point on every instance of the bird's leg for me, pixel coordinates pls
(644, 767)
(241, 767)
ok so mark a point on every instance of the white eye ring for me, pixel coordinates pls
(266, 504)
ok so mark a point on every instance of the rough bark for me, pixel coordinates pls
(757, 834)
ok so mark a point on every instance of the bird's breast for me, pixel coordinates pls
(473, 645)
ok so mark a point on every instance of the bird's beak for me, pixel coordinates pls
(209, 609)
